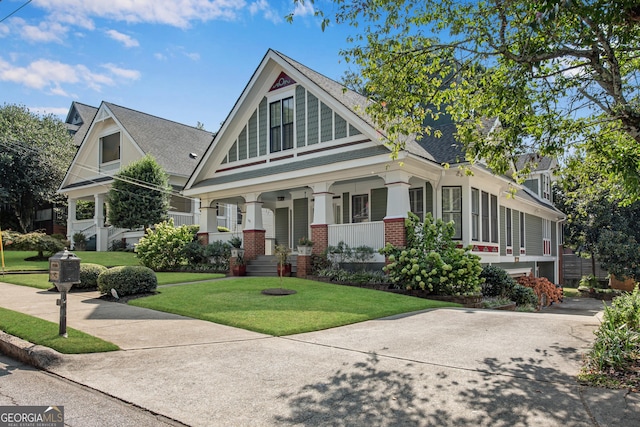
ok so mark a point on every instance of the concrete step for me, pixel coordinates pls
(266, 266)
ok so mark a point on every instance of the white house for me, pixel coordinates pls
(115, 137)
(299, 146)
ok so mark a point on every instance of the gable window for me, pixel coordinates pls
(281, 125)
(110, 148)
(523, 249)
(416, 202)
(475, 214)
(546, 187)
(509, 231)
(452, 208)
(546, 237)
(360, 208)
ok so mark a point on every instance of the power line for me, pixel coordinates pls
(15, 11)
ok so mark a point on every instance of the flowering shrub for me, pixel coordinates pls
(432, 261)
(163, 247)
(542, 286)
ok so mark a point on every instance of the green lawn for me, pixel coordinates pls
(315, 306)
(15, 260)
(45, 333)
(41, 280)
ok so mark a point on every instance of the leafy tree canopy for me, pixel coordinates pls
(34, 156)
(139, 195)
(559, 75)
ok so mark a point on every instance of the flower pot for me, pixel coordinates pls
(284, 270)
(239, 270)
(305, 250)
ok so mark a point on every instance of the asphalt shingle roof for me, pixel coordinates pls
(87, 114)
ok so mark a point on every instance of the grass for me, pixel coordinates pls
(15, 260)
(41, 280)
(45, 333)
(315, 306)
(571, 292)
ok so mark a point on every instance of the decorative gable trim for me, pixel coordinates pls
(283, 80)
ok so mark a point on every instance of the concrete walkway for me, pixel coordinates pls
(440, 367)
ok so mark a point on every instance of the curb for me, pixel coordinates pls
(35, 355)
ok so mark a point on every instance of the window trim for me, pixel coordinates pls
(366, 207)
(508, 238)
(523, 231)
(475, 214)
(282, 124)
(101, 148)
(419, 199)
(452, 212)
(546, 237)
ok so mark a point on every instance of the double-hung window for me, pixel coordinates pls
(475, 214)
(509, 231)
(523, 247)
(281, 124)
(416, 201)
(360, 208)
(546, 237)
(452, 208)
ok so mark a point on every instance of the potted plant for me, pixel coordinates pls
(239, 267)
(79, 241)
(304, 246)
(236, 247)
(282, 256)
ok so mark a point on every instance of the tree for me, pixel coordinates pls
(139, 195)
(556, 74)
(36, 152)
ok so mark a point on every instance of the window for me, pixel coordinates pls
(110, 148)
(546, 187)
(416, 201)
(179, 204)
(546, 237)
(475, 214)
(494, 219)
(360, 208)
(281, 123)
(485, 217)
(508, 230)
(523, 249)
(452, 208)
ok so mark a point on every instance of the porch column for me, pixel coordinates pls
(102, 233)
(322, 216)
(71, 218)
(196, 211)
(397, 183)
(207, 220)
(254, 233)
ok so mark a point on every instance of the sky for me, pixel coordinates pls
(182, 60)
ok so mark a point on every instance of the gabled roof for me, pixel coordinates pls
(79, 127)
(170, 143)
(541, 163)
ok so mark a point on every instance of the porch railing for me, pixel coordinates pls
(360, 234)
(224, 236)
(180, 218)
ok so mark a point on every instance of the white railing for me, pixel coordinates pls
(225, 237)
(360, 234)
(180, 218)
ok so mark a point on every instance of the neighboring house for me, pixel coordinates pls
(115, 137)
(299, 146)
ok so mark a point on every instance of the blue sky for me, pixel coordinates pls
(183, 60)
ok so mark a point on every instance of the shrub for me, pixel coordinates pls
(118, 246)
(89, 275)
(432, 261)
(127, 280)
(617, 343)
(162, 248)
(497, 282)
(37, 241)
(523, 296)
(544, 289)
(193, 252)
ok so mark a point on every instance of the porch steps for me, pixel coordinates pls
(266, 266)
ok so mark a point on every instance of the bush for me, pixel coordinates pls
(127, 280)
(194, 253)
(546, 291)
(42, 243)
(497, 282)
(523, 296)
(432, 261)
(89, 275)
(617, 343)
(163, 248)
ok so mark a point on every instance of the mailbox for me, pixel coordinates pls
(64, 270)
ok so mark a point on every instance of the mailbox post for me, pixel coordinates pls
(64, 271)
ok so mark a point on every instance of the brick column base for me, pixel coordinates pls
(395, 232)
(304, 266)
(320, 238)
(232, 263)
(253, 243)
(203, 238)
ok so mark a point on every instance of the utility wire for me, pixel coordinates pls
(15, 11)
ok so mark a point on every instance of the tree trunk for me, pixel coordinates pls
(593, 264)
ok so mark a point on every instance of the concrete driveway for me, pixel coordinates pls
(441, 367)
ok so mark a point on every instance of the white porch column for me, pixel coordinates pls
(71, 218)
(208, 218)
(102, 234)
(323, 203)
(397, 183)
(196, 212)
(253, 216)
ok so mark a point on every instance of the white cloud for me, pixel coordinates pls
(194, 56)
(52, 76)
(267, 12)
(305, 9)
(169, 12)
(56, 111)
(160, 56)
(125, 39)
(46, 31)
